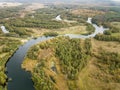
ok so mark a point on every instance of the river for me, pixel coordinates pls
(58, 18)
(4, 29)
(21, 80)
(98, 29)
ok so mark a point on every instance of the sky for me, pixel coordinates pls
(116, 0)
(59, 0)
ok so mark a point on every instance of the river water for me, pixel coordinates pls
(21, 80)
(58, 18)
(4, 29)
(98, 29)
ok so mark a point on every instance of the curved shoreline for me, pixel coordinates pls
(21, 80)
(98, 30)
(13, 64)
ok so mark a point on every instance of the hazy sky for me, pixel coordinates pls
(116, 0)
(59, 0)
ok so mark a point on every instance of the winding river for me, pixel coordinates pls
(20, 79)
(98, 30)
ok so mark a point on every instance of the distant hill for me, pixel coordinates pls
(64, 1)
(56, 1)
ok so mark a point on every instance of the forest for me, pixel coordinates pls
(11, 12)
(72, 56)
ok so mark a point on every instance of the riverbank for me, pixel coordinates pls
(7, 49)
(15, 72)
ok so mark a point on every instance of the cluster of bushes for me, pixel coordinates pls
(112, 30)
(73, 58)
(107, 32)
(37, 22)
(106, 18)
(107, 36)
(17, 31)
(10, 12)
(41, 80)
(111, 14)
(103, 37)
(51, 34)
(3, 78)
(90, 29)
(109, 62)
(33, 52)
(8, 47)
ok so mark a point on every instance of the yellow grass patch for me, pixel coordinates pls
(68, 30)
(88, 79)
(116, 24)
(89, 76)
(73, 30)
(48, 55)
(108, 46)
(29, 64)
(3, 55)
(38, 31)
(61, 82)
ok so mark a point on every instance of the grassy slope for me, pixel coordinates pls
(92, 77)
